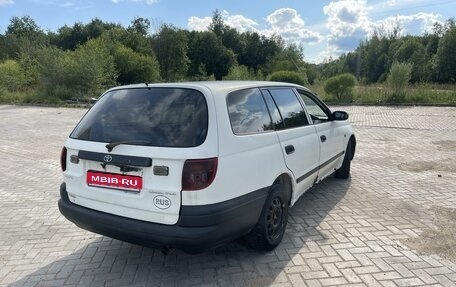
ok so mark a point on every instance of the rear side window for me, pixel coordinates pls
(163, 117)
(248, 112)
(290, 108)
(273, 111)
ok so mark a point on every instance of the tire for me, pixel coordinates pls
(270, 228)
(344, 171)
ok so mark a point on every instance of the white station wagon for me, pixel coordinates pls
(195, 165)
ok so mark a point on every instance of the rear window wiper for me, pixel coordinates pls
(112, 145)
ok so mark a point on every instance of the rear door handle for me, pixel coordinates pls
(289, 149)
(323, 138)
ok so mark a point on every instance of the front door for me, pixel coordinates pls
(330, 134)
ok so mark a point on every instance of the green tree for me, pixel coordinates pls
(230, 37)
(207, 52)
(332, 68)
(93, 68)
(69, 38)
(22, 26)
(375, 57)
(11, 75)
(398, 79)
(288, 59)
(53, 70)
(411, 50)
(82, 73)
(30, 69)
(96, 27)
(135, 67)
(134, 41)
(312, 72)
(217, 24)
(258, 50)
(289, 77)
(170, 46)
(140, 26)
(243, 73)
(341, 87)
(22, 36)
(446, 57)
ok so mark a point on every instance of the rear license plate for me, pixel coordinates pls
(114, 180)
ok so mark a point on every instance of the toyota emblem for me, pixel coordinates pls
(107, 158)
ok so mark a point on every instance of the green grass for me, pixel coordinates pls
(7, 97)
(419, 94)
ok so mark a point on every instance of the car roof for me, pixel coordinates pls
(216, 87)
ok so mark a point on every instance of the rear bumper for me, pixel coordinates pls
(199, 227)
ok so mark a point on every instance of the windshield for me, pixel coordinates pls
(164, 117)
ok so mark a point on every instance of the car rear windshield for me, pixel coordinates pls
(163, 117)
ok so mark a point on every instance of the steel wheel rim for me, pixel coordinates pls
(274, 218)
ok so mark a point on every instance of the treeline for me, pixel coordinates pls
(431, 56)
(82, 60)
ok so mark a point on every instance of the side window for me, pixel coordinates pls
(248, 112)
(289, 106)
(273, 111)
(317, 113)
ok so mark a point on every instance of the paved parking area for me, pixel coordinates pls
(392, 224)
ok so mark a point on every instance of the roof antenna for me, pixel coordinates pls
(146, 84)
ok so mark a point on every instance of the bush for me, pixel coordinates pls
(11, 76)
(242, 73)
(134, 67)
(82, 73)
(13, 97)
(399, 77)
(289, 77)
(341, 87)
(92, 69)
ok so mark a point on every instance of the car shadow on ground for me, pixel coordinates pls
(109, 262)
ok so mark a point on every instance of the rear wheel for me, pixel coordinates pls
(344, 171)
(270, 228)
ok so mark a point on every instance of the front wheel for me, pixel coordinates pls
(344, 171)
(270, 228)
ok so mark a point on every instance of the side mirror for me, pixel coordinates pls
(339, 116)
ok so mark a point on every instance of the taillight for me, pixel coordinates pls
(63, 156)
(198, 173)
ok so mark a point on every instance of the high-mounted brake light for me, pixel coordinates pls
(198, 173)
(63, 156)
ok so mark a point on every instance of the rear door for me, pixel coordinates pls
(127, 154)
(299, 140)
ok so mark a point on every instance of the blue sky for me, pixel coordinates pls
(323, 28)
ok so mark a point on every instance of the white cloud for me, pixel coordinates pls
(409, 24)
(149, 2)
(6, 2)
(239, 22)
(285, 22)
(198, 24)
(349, 23)
(285, 18)
(346, 16)
(67, 5)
